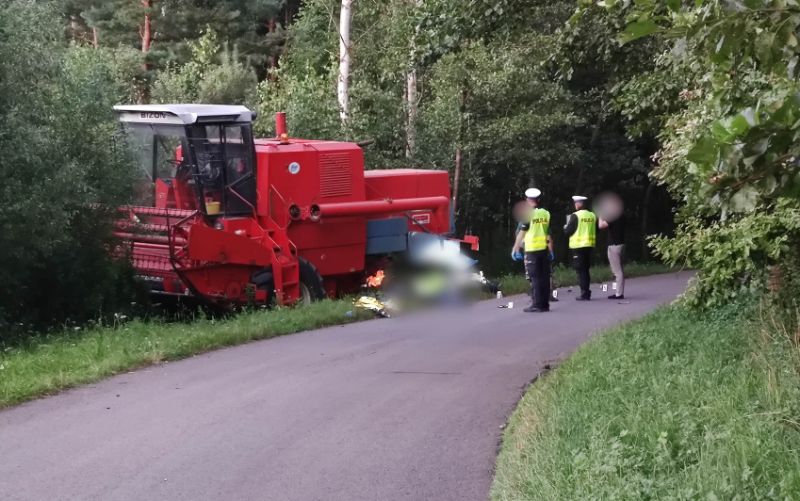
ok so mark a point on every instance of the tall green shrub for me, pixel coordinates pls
(729, 133)
(213, 75)
(59, 164)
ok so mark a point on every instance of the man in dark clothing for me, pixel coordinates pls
(616, 252)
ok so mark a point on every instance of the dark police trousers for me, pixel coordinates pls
(537, 264)
(582, 260)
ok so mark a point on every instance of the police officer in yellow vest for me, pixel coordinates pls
(535, 236)
(581, 229)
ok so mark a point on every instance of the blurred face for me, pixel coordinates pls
(578, 205)
(522, 211)
(533, 202)
(609, 206)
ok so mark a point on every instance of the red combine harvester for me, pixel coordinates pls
(232, 220)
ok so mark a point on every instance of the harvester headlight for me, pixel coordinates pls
(315, 213)
(294, 212)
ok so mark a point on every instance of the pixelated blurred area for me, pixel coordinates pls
(521, 212)
(608, 206)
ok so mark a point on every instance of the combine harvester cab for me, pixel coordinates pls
(230, 220)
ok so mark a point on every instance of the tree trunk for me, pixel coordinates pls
(775, 282)
(343, 90)
(146, 35)
(411, 118)
(147, 27)
(457, 169)
(412, 100)
(648, 195)
(272, 65)
(76, 28)
(592, 143)
(95, 40)
(579, 183)
(272, 60)
(456, 177)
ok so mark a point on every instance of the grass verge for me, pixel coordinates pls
(674, 406)
(43, 365)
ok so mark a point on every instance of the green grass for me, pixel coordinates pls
(565, 276)
(43, 365)
(674, 406)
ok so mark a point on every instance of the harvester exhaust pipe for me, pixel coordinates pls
(280, 127)
(377, 207)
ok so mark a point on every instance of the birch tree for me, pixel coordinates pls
(412, 100)
(343, 91)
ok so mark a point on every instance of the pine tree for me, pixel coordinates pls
(163, 29)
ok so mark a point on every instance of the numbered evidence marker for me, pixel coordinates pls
(605, 287)
(614, 286)
(555, 294)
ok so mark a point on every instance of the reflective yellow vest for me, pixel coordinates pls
(586, 234)
(536, 236)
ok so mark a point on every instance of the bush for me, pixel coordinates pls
(229, 82)
(59, 160)
(734, 256)
(308, 99)
(212, 76)
(723, 96)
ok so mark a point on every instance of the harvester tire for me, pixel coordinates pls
(264, 281)
(312, 286)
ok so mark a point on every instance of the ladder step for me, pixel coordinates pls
(286, 262)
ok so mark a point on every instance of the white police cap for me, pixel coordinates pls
(579, 198)
(532, 193)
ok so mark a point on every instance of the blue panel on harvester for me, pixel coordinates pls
(432, 249)
(385, 236)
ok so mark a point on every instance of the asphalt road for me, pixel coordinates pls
(403, 409)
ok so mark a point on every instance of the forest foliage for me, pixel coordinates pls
(695, 102)
(728, 138)
(58, 162)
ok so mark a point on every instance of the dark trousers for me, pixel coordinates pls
(537, 265)
(582, 260)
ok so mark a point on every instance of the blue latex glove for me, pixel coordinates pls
(517, 256)
(552, 256)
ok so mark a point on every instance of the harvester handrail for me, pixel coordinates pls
(272, 208)
(240, 197)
